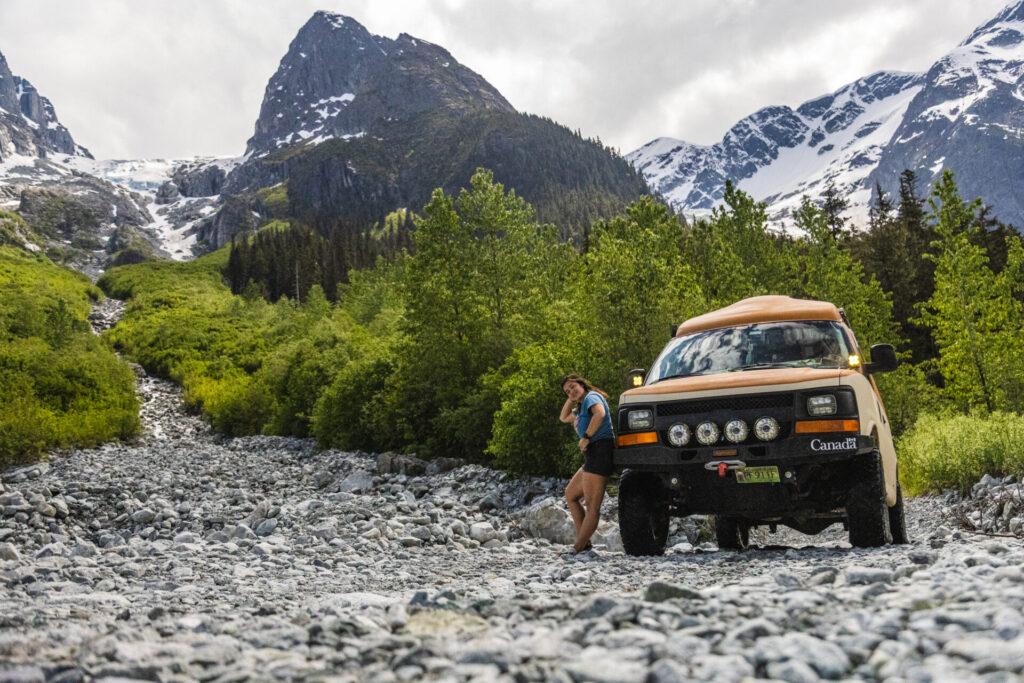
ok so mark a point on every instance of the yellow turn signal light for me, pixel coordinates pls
(854, 360)
(637, 439)
(816, 426)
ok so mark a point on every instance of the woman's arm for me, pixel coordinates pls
(596, 415)
(567, 415)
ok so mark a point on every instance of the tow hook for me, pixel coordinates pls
(723, 466)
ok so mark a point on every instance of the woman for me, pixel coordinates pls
(588, 410)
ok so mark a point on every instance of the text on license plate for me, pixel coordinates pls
(758, 475)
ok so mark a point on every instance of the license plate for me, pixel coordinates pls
(758, 475)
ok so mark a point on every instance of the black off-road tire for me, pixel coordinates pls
(731, 533)
(867, 513)
(643, 514)
(898, 520)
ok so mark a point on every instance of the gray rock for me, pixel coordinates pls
(266, 527)
(828, 659)
(793, 671)
(397, 463)
(143, 516)
(668, 671)
(866, 575)
(9, 552)
(243, 532)
(659, 591)
(481, 532)
(550, 520)
(360, 480)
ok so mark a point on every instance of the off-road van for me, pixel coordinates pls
(761, 413)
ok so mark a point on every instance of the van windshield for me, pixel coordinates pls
(792, 344)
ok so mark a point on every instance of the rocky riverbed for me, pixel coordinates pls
(187, 556)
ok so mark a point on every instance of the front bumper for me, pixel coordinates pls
(815, 473)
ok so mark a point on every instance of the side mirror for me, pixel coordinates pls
(883, 359)
(636, 377)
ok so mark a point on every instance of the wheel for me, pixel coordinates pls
(643, 514)
(866, 511)
(897, 520)
(731, 533)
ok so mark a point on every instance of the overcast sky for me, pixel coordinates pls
(180, 78)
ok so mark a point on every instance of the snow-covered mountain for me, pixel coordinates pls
(965, 113)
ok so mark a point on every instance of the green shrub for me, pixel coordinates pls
(348, 413)
(955, 451)
(60, 386)
(907, 393)
(528, 436)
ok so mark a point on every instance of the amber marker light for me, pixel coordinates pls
(637, 439)
(816, 426)
(854, 360)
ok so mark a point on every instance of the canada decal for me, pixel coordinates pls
(845, 445)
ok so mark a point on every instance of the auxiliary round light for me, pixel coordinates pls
(766, 428)
(678, 434)
(707, 433)
(736, 430)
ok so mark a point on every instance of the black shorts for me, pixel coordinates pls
(598, 457)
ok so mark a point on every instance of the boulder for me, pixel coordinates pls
(548, 519)
(398, 463)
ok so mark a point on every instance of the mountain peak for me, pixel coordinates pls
(338, 80)
(1005, 27)
(28, 122)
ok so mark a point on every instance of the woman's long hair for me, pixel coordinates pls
(582, 381)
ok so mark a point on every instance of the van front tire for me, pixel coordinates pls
(643, 514)
(866, 510)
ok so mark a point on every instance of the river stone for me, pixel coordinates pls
(266, 527)
(866, 575)
(481, 532)
(828, 659)
(359, 480)
(550, 520)
(660, 591)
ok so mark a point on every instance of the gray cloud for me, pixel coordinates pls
(135, 78)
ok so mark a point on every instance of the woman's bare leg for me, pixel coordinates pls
(573, 494)
(593, 493)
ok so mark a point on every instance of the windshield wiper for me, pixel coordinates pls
(662, 379)
(763, 366)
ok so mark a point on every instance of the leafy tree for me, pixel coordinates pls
(973, 315)
(735, 256)
(476, 287)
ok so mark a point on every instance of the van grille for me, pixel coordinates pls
(708, 405)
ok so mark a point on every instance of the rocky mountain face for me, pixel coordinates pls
(337, 80)
(51, 197)
(964, 114)
(28, 122)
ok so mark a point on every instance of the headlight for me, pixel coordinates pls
(821, 405)
(736, 430)
(766, 428)
(678, 434)
(707, 433)
(640, 419)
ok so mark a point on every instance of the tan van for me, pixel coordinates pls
(761, 413)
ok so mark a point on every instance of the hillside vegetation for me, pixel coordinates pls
(60, 385)
(456, 346)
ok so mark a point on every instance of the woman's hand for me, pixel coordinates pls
(584, 442)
